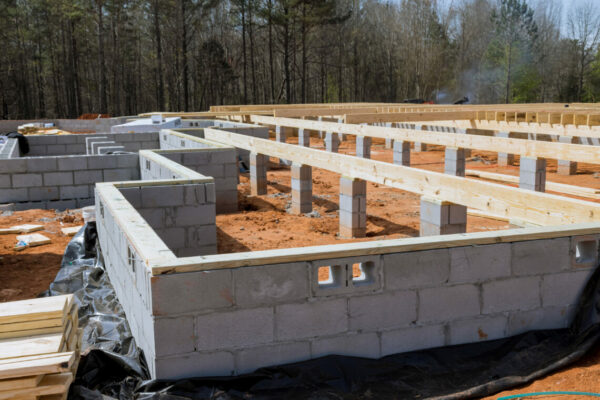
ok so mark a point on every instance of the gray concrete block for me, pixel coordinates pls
(410, 339)
(155, 217)
(202, 214)
(478, 329)
(448, 303)
(87, 177)
(102, 162)
(5, 181)
(127, 161)
(511, 294)
(541, 256)
(241, 328)
(13, 195)
(480, 263)
(355, 345)
(271, 284)
(564, 289)
(162, 196)
(43, 193)
(317, 318)
(173, 335)
(174, 237)
(74, 192)
(58, 178)
(13, 165)
(542, 318)
(41, 164)
(57, 149)
(191, 292)
(382, 311)
(203, 235)
(61, 204)
(27, 180)
(120, 174)
(72, 163)
(194, 194)
(416, 269)
(249, 359)
(195, 364)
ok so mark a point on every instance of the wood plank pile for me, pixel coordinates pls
(39, 348)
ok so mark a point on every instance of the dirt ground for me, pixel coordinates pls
(27, 273)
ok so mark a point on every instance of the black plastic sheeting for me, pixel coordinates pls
(113, 367)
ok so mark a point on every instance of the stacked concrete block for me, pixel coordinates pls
(418, 146)
(353, 207)
(566, 167)
(532, 174)
(281, 134)
(401, 154)
(183, 216)
(301, 188)
(303, 137)
(258, 174)
(61, 182)
(505, 159)
(110, 149)
(363, 146)
(145, 125)
(332, 142)
(53, 145)
(440, 217)
(454, 161)
(9, 148)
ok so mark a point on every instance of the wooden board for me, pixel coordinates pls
(32, 325)
(50, 384)
(37, 365)
(20, 383)
(32, 332)
(29, 346)
(21, 229)
(35, 309)
(71, 230)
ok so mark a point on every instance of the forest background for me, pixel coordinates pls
(63, 58)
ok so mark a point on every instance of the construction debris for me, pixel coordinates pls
(26, 228)
(35, 239)
(71, 231)
(39, 348)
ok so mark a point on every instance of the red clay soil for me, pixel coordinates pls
(27, 273)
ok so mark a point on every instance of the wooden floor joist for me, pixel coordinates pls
(523, 147)
(541, 208)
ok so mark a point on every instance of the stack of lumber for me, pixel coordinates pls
(39, 348)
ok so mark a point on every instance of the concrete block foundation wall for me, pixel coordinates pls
(61, 182)
(52, 145)
(9, 149)
(71, 125)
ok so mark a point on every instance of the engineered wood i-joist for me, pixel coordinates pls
(523, 147)
(498, 199)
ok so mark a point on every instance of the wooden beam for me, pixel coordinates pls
(502, 200)
(200, 115)
(408, 117)
(526, 148)
(317, 112)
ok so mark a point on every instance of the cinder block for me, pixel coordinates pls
(363, 146)
(541, 256)
(202, 235)
(173, 335)
(317, 318)
(428, 268)
(162, 196)
(28, 180)
(241, 328)
(332, 142)
(87, 177)
(61, 204)
(542, 318)
(41, 164)
(564, 289)
(191, 292)
(202, 214)
(43, 193)
(454, 161)
(511, 294)
(566, 167)
(355, 345)
(174, 237)
(127, 161)
(401, 154)
(57, 149)
(382, 311)
(57, 178)
(249, 359)
(72, 163)
(120, 174)
(480, 263)
(5, 181)
(74, 192)
(411, 339)
(195, 364)
(13, 165)
(271, 284)
(13, 195)
(478, 329)
(155, 217)
(448, 303)
(194, 194)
